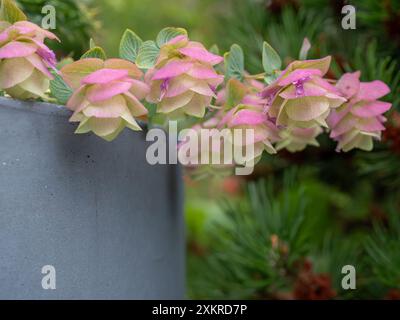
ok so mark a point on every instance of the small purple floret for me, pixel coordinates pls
(164, 88)
(299, 84)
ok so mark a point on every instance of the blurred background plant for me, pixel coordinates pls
(286, 231)
(77, 22)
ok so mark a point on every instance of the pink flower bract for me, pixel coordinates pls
(25, 60)
(106, 96)
(360, 120)
(183, 81)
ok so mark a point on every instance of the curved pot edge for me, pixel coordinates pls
(40, 107)
(44, 108)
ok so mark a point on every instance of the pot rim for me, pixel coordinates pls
(46, 108)
(35, 106)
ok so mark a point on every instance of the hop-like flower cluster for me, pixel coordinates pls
(360, 119)
(289, 113)
(106, 95)
(250, 113)
(183, 81)
(301, 100)
(25, 60)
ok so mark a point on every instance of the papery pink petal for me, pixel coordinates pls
(36, 84)
(221, 98)
(16, 50)
(76, 100)
(343, 126)
(370, 109)
(47, 55)
(197, 106)
(4, 36)
(104, 76)
(172, 69)
(258, 85)
(149, 75)
(203, 88)
(132, 69)
(14, 71)
(179, 85)
(38, 64)
(370, 125)
(215, 82)
(203, 72)
(27, 27)
(171, 104)
(323, 83)
(201, 54)
(104, 127)
(111, 108)
(177, 39)
(252, 99)
(135, 106)
(372, 90)
(101, 92)
(320, 64)
(73, 73)
(227, 117)
(304, 133)
(336, 116)
(349, 84)
(139, 89)
(306, 108)
(248, 117)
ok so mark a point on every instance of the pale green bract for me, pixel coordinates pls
(59, 89)
(147, 55)
(129, 46)
(95, 52)
(270, 59)
(234, 63)
(168, 34)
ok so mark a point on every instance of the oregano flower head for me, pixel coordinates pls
(183, 80)
(25, 60)
(106, 96)
(360, 120)
(301, 100)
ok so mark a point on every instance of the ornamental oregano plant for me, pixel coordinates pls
(176, 78)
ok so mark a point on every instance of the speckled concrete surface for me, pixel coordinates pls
(110, 224)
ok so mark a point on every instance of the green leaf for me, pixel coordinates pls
(270, 59)
(129, 46)
(95, 52)
(306, 46)
(168, 34)
(234, 63)
(271, 78)
(10, 12)
(235, 92)
(214, 49)
(147, 55)
(59, 89)
(92, 44)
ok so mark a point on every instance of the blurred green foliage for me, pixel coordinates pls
(76, 23)
(147, 17)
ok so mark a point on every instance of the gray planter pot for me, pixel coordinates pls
(109, 223)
